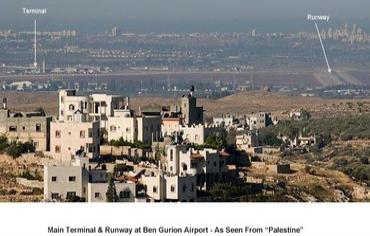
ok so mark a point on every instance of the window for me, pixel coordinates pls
(13, 128)
(82, 134)
(192, 187)
(54, 196)
(97, 195)
(154, 189)
(53, 179)
(38, 127)
(57, 149)
(23, 128)
(171, 155)
(113, 128)
(185, 167)
(214, 163)
(184, 187)
(58, 133)
(72, 178)
(71, 194)
(90, 148)
(172, 188)
(71, 107)
(125, 194)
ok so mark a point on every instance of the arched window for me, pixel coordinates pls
(71, 107)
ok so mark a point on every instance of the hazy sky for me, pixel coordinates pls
(78, 11)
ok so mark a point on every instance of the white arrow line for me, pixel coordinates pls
(323, 48)
(35, 46)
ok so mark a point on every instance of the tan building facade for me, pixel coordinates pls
(247, 142)
(208, 165)
(69, 137)
(78, 180)
(122, 124)
(145, 128)
(161, 186)
(97, 106)
(26, 126)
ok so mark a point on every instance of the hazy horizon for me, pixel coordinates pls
(180, 15)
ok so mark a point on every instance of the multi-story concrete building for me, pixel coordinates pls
(161, 186)
(197, 134)
(208, 165)
(78, 179)
(123, 124)
(25, 126)
(72, 136)
(63, 182)
(97, 106)
(259, 120)
(149, 127)
(145, 127)
(224, 121)
(191, 113)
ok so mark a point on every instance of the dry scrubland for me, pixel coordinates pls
(240, 103)
(10, 169)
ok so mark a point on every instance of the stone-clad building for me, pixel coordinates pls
(26, 126)
(77, 135)
(191, 113)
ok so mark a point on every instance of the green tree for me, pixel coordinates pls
(3, 143)
(13, 150)
(216, 141)
(112, 192)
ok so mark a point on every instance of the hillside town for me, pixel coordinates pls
(98, 149)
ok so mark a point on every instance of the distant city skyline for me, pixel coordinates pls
(180, 15)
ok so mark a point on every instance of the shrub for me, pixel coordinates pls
(75, 199)
(13, 150)
(16, 149)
